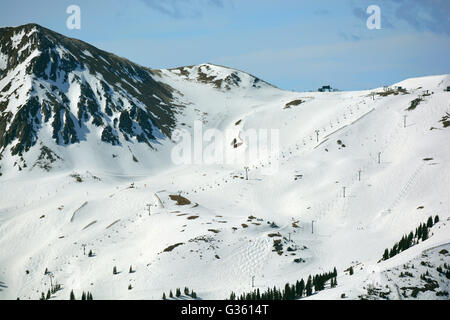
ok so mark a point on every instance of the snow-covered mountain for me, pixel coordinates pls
(86, 145)
(57, 92)
(61, 91)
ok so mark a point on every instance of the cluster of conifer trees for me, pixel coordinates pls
(187, 293)
(51, 291)
(84, 296)
(445, 272)
(407, 241)
(292, 292)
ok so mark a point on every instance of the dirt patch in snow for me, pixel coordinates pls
(293, 103)
(446, 120)
(170, 248)
(181, 201)
(414, 104)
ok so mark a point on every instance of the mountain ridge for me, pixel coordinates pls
(353, 176)
(51, 78)
(64, 85)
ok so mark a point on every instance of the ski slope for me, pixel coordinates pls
(224, 237)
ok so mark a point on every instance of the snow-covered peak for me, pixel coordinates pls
(437, 82)
(219, 77)
(53, 84)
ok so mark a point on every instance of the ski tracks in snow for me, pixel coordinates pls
(248, 261)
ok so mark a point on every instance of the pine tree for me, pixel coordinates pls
(430, 222)
(90, 254)
(420, 232)
(42, 296)
(72, 295)
(386, 254)
(316, 283)
(130, 287)
(308, 287)
(351, 271)
(425, 234)
(83, 296)
(114, 270)
(178, 293)
(301, 288)
(48, 295)
(286, 292)
(333, 282)
(395, 249)
(164, 296)
(170, 294)
(410, 239)
(436, 219)
(131, 269)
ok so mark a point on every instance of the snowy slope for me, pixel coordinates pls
(225, 235)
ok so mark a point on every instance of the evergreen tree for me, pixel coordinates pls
(83, 296)
(178, 293)
(386, 254)
(170, 294)
(419, 232)
(436, 219)
(395, 249)
(72, 295)
(316, 283)
(131, 269)
(286, 292)
(308, 287)
(42, 296)
(351, 271)
(193, 295)
(425, 234)
(130, 287)
(301, 288)
(164, 296)
(114, 270)
(410, 239)
(402, 245)
(48, 295)
(430, 222)
(90, 254)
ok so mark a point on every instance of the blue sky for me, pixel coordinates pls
(294, 44)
